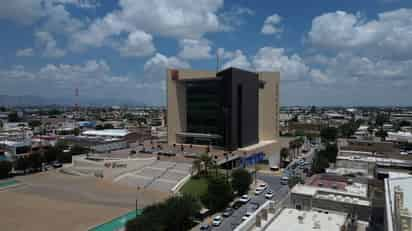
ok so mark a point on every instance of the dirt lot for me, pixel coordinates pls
(55, 201)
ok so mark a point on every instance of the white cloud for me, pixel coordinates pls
(272, 25)
(25, 52)
(182, 19)
(349, 67)
(80, 3)
(389, 36)
(138, 43)
(46, 42)
(195, 49)
(274, 59)
(155, 68)
(22, 11)
(234, 17)
(236, 59)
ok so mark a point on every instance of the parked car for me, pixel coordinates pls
(246, 216)
(217, 220)
(244, 199)
(205, 227)
(227, 212)
(269, 194)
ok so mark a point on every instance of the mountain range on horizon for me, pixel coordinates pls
(30, 100)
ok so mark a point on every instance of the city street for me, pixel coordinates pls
(230, 223)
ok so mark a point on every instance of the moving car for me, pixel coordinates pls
(284, 180)
(244, 199)
(205, 227)
(57, 165)
(263, 186)
(246, 216)
(269, 194)
(258, 191)
(227, 212)
(217, 220)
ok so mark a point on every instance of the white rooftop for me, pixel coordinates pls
(371, 159)
(296, 220)
(107, 132)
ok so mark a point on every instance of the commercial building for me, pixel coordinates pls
(370, 158)
(296, 220)
(122, 134)
(399, 137)
(332, 193)
(232, 109)
(398, 197)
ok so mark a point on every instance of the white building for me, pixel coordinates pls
(398, 197)
(107, 133)
(399, 136)
(297, 220)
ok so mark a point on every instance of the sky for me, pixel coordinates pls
(328, 52)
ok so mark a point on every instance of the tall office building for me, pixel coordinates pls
(232, 109)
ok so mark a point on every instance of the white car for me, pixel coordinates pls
(244, 199)
(269, 195)
(263, 186)
(258, 191)
(217, 220)
(246, 216)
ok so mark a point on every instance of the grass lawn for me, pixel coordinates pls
(195, 187)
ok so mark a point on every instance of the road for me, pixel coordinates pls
(235, 219)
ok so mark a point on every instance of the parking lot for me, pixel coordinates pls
(231, 222)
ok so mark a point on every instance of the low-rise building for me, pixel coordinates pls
(400, 136)
(297, 220)
(332, 193)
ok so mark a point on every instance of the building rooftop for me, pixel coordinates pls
(296, 220)
(107, 132)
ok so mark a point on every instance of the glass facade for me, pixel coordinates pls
(204, 110)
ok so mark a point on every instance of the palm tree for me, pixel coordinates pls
(207, 162)
(284, 153)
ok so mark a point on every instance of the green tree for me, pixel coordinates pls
(284, 154)
(76, 131)
(294, 180)
(241, 180)
(197, 166)
(35, 161)
(13, 117)
(219, 194)
(34, 123)
(108, 126)
(64, 157)
(21, 164)
(78, 150)
(381, 134)
(319, 164)
(206, 162)
(381, 118)
(329, 134)
(176, 213)
(5, 168)
(51, 154)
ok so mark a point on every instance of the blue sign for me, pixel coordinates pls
(252, 159)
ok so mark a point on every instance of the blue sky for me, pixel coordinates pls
(329, 52)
